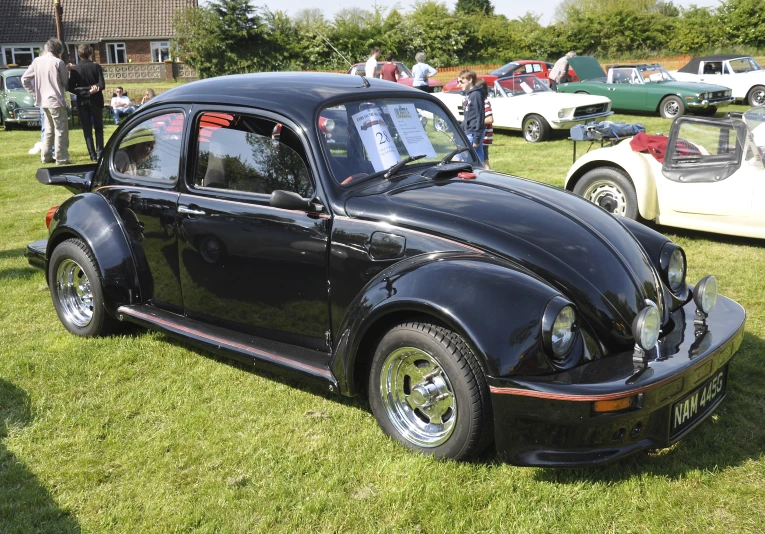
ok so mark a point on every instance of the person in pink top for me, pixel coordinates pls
(47, 78)
(389, 70)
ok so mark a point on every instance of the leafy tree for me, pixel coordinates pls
(482, 7)
(743, 22)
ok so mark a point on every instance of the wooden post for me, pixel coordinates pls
(58, 14)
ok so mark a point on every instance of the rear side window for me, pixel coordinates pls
(250, 155)
(151, 150)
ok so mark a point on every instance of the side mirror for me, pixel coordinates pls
(289, 200)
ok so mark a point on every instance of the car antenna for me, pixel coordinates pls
(366, 82)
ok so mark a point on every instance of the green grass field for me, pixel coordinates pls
(139, 433)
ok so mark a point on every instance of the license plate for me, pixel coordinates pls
(35, 124)
(697, 404)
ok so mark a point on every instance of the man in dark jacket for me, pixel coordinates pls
(473, 120)
(86, 81)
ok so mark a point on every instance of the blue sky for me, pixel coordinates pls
(510, 8)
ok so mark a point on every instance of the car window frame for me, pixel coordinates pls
(229, 194)
(134, 120)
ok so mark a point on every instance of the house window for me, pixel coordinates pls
(20, 55)
(160, 51)
(116, 53)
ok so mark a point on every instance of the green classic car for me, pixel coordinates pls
(645, 88)
(17, 107)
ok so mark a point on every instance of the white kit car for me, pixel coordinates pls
(742, 74)
(712, 177)
(525, 103)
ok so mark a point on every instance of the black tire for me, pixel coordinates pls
(76, 290)
(706, 112)
(427, 391)
(610, 189)
(671, 107)
(535, 129)
(756, 96)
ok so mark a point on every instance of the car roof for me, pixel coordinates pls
(296, 94)
(12, 72)
(692, 66)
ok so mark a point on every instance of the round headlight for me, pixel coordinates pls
(676, 270)
(562, 332)
(561, 113)
(646, 327)
(705, 294)
(329, 125)
(11, 104)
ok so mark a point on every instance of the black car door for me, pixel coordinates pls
(244, 264)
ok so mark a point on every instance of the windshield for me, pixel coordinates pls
(654, 73)
(744, 64)
(520, 85)
(363, 139)
(13, 83)
(505, 69)
(755, 123)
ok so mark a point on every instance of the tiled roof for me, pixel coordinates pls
(30, 21)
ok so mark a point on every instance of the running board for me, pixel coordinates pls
(263, 353)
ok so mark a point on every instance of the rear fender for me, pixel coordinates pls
(494, 305)
(90, 217)
(641, 169)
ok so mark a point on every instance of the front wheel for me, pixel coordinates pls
(75, 287)
(427, 391)
(757, 96)
(610, 189)
(671, 107)
(535, 129)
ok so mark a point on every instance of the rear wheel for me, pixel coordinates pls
(535, 129)
(427, 391)
(75, 287)
(671, 107)
(610, 189)
(757, 96)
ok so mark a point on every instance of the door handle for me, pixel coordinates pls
(189, 211)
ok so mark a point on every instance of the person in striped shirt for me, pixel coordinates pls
(488, 137)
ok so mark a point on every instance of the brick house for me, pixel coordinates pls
(120, 31)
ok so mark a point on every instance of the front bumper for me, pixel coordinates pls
(550, 420)
(719, 103)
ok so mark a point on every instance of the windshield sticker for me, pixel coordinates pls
(407, 122)
(377, 140)
(526, 88)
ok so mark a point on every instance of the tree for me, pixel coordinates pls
(482, 7)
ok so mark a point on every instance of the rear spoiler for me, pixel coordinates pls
(76, 178)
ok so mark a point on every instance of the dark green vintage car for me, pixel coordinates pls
(645, 88)
(17, 107)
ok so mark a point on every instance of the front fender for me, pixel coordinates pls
(496, 306)
(90, 217)
(641, 168)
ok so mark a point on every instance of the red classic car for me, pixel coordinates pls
(405, 75)
(540, 69)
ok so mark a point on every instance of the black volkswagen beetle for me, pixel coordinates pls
(340, 230)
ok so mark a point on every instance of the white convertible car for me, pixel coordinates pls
(708, 175)
(742, 74)
(525, 103)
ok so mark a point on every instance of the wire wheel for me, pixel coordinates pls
(74, 293)
(418, 397)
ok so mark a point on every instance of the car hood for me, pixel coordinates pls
(693, 87)
(587, 68)
(555, 236)
(562, 100)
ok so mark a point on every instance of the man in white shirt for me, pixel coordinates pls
(371, 67)
(121, 105)
(47, 78)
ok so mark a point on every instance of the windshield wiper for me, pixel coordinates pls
(400, 165)
(453, 153)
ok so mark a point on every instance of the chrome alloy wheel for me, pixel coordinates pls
(671, 108)
(74, 293)
(532, 131)
(758, 97)
(608, 196)
(418, 397)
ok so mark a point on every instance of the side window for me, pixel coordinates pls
(151, 150)
(702, 142)
(529, 68)
(537, 67)
(251, 155)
